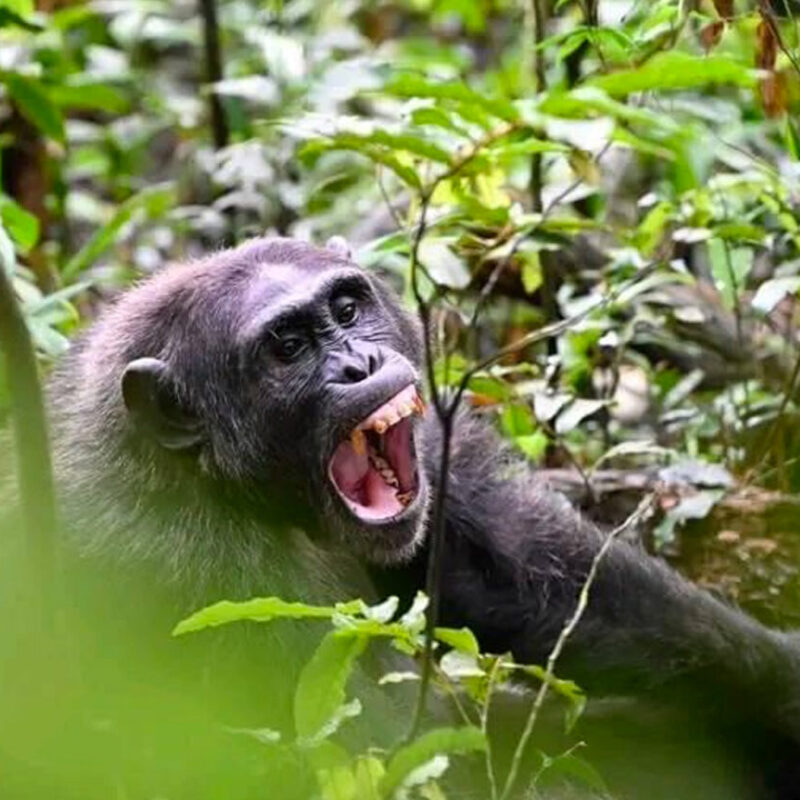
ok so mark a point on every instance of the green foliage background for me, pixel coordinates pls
(630, 167)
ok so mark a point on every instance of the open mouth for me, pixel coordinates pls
(375, 469)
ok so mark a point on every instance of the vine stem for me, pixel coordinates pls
(583, 602)
(446, 411)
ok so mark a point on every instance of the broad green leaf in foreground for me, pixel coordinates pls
(427, 747)
(320, 692)
(259, 609)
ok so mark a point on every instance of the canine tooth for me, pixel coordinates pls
(380, 425)
(358, 441)
(404, 497)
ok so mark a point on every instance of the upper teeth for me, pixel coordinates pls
(403, 404)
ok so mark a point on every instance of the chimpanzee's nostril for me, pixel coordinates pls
(353, 373)
(373, 362)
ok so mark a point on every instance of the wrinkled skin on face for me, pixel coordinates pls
(290, 376)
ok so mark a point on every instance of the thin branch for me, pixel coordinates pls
(792, 384)
(485, 727)
(446, 411)
(540, 85)
(769, 17)
(572, 623)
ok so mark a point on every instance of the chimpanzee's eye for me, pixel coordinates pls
(345, 310)
(287, 346)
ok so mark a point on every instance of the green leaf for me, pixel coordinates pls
(436, 117)
(443, 265)
(154, 201)
(517, 419)
(730, 267)
(771, 292)
(382, 612)
(531, 271)
(8, 257)
(576, 412)
(344, 712)
(587, 101)
(427, 747)
(676, 70)
(357, 144)
(534, 445)
(570, 766)
(366, 143)
(792, 139)
(320, 692)
(90, 95)
(260, 609)
(22, 226)
(369, 771)
(261, 735)
(23, 7)
(414, 86)
(34, 102)
(9, 18)
(461, 639)
(458, 666)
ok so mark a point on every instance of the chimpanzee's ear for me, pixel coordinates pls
(148, 389)
(339, 246)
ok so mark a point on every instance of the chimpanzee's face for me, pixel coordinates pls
(319, 387)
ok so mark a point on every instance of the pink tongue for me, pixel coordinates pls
(364, 489)
(348, 468)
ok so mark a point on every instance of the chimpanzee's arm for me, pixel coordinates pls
(517, 556)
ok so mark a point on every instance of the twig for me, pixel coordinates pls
(583, 601)
(769, 17)
(792, 384)
(485, 726)
(446, 411)
(32, 446)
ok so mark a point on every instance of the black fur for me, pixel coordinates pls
(247, 510)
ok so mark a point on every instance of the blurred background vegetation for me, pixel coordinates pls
(532, 158)
(560, 152)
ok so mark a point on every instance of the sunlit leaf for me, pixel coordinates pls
(21, 225)
(34, 102)
(260, 609)
(11, 18)
(436, 742)
(676, 70)
(414, 86)
(154, 201)
(320, 694)
(461, 639)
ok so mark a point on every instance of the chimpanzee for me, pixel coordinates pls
(252, 424)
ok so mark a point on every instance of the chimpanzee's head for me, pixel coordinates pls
(288, 377)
